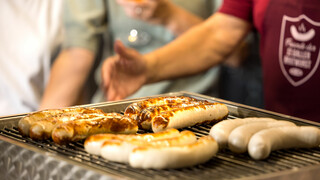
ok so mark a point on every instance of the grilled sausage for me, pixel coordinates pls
(220, 131)
(263, 142)
(134, 109)
(146, 115)
(42, 129)
(82, 128)
(73, 124)
(93, 143)
(189, 116)
(162, 157)
(239, 138)
(26, 122)
(119, 150)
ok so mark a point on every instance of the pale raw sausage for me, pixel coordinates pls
(221, 131)
(263, 142)
(239, 138)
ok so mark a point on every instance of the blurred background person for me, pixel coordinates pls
(144, 25)
(30, 36)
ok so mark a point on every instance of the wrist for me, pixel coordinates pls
(151, 68)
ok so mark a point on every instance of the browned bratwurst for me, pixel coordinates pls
(72, 124)
(189, 116)
(146, 115)
(50, 117)
(134, 109)
(82, 128)
(160, 113)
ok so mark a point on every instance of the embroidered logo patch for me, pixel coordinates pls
(299, 48)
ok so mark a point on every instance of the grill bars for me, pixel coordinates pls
(226, 165)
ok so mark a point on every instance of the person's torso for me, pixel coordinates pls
(30, 30)
(290, 46)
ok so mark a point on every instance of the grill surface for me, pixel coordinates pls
(226, 165)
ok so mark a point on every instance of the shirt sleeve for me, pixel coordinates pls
(83, 21)
(239, 8)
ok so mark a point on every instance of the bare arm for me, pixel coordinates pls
(202, 47)
(199, 49)
(68, 75)
(83, 21)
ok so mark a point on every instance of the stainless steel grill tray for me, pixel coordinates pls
(20, 156)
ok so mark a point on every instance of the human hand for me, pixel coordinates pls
(123, 74)
(151, 11)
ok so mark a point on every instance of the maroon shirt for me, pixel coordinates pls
(290, 43)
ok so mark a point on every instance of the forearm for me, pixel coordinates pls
(197, 50)
(67, 78)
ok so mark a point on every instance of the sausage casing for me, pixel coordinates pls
(189, 116)
(82, 128)
(39, 125)
(263, 142)
(93, 143)
(134, 109)
(73, 124)
(239, 138)
(146, 115)
(120, 150)
(221, 131)
(26, 122)
(174, 156)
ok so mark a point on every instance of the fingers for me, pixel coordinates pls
(123, 74)
(124, 54)
(112, 78)
(115, 92)
(118, 46)
(105, 77)
(113, 96)
(108, 70)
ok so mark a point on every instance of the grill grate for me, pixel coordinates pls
(226, 165)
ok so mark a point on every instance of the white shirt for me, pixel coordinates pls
(30, 32)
